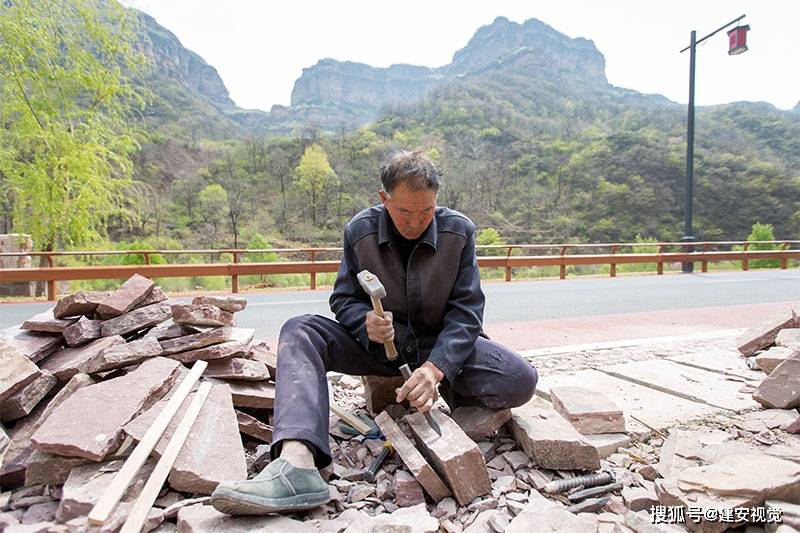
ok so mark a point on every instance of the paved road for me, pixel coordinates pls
(545, 301)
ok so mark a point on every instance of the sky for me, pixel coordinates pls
(260, 47)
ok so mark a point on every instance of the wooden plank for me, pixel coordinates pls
(453, 455)
(703, 386)
(729, 362)
(102, 509)
(350, 419)
(413, 460)
(138, 514)
(655, 408)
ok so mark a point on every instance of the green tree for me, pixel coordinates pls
(314, 176)
(67, 100)
(213, 207)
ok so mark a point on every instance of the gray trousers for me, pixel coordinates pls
(310, 345)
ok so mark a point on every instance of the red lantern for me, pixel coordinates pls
(737, 40)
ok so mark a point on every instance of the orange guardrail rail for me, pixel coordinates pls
(489, 256)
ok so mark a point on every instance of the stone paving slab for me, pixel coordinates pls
(722, 361)
(655, 408)
(691, 383)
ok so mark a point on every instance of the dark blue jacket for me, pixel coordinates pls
(437, 304)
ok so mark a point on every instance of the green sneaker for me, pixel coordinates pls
(279, 488)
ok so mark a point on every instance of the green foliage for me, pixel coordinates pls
(66, 106)
(490, 236)
(763, 232)
(314, 176)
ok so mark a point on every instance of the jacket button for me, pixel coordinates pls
(409, 349)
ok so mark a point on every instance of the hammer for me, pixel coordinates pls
(374, 288)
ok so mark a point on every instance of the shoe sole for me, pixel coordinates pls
(235, 503)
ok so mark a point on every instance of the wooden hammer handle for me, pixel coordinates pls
(391, 350)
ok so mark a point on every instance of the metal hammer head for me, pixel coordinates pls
(371, 284)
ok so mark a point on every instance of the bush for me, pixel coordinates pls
(763, 232)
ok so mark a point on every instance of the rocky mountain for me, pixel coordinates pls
(338, 96)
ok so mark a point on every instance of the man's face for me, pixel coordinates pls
(411, 210)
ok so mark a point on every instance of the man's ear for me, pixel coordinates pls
(384, 196)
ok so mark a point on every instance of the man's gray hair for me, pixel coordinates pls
(413, 168)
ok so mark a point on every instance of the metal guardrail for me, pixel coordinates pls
(702, 252)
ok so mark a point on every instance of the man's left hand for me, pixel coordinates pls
(420, 388)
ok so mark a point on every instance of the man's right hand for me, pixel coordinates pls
(379, 329)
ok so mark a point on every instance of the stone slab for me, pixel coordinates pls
(206, 519)
(16, 371)
(155, 296)
(49, 468)
(379, 391)
(655, 408)
(781, 389)
(197, 340)
(690, 383)
(70, 361)
(89, 423)
(253, 427)
(549, 440)
(789, 338)
(589, 411)
(721, 361)
(22, 402)
(33, 345)
(258, 350)
(480, 422)
(170, 330)
(546, 515)
(83, 331)
(237, 368)
(255, 394)
(140, 318)
(45, 322)
(122, 355)
(763, 334)
(769, 359)
(608, 443)
(213, 451)
(127, 297)
(86, 483)
(454, 456)
(210, 353)
(413, 459)
(13, 464)
(201, 315)
(79, 303)
(226, 303)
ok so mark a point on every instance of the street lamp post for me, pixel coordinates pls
(688, 236)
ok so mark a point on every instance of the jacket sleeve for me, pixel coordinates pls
(348, 301)
(463, 317)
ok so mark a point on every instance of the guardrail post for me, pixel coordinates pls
(313, 257)
(660, 263)
(51, 283)
(235, 277)
(704, 264)
(784, 247)
(508, 268)
(613, 264)
(146, 258)
(562, 271)
(745, 261)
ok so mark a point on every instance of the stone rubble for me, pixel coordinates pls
(54, 463)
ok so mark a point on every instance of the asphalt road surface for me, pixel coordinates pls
(526, 301)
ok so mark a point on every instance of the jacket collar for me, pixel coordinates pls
(430, 236)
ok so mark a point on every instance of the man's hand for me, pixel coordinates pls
(379, 329)
(420, 388)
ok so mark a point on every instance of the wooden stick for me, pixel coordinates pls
(102, 509)
(350, 419)
(137, 516)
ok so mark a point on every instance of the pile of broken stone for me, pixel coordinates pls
(76, 412)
